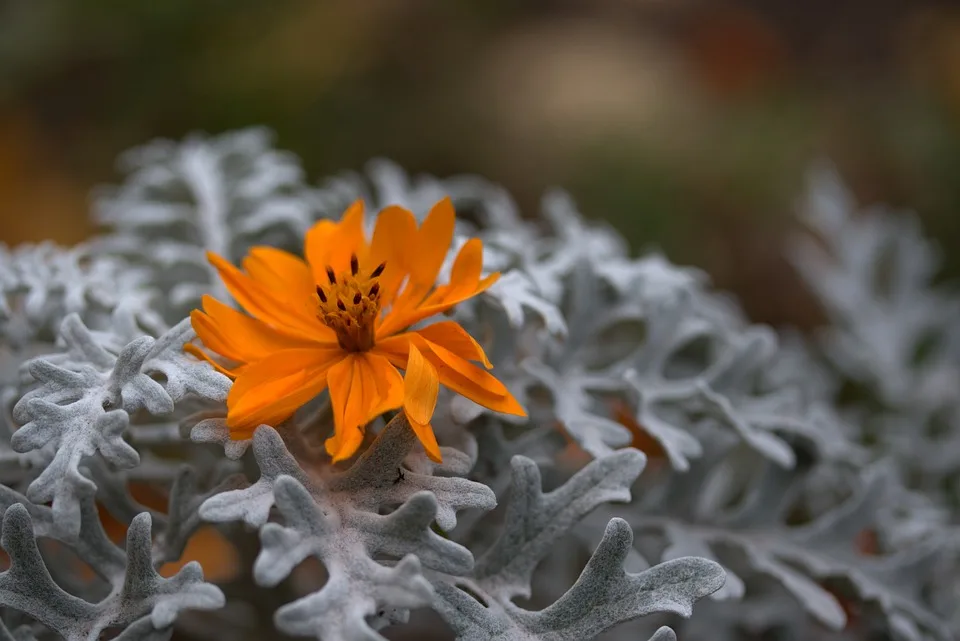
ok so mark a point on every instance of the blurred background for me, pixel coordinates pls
(688, 124)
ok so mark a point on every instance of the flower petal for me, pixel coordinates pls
(433, 243)
(362, 386)
(438, 302)
(464, 276)
(345, 436)
(467, 379)
(316, 247)
(193, 350)
(468, 264)
(452, 336)
(420, 387)
(389, 384)
(279, 271)
(330, 243)
(464, 283)
(454, 372)
(344, 443)
(213, 338)
(393, 237)
(396, 349)
(242, 338)
(427, 438)
(264, 305)
(424, 257)
(270, 390)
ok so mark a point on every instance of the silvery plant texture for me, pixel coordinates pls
(683, 473)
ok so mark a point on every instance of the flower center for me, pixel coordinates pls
(349, 305)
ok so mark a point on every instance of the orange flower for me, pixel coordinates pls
(340, 320)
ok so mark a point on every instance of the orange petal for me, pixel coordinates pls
(362, 386)
(454, 372)
(285, 363)
(346, 436)
(468, 264)
(393, 236)
(242, 338)
(316, 247)
(425, 256)
(279, 271)
(213, 338)
(452, 336)
(420, 388)
(193, 350)
(352, 237)
(464, 275)
(271, 390)
(344, 443)
(464, 283)
(330, 243)
(264, 305)
(389, 384)
(400, 318)
(396, 349)
(288, 279)
(433, 243)
(427, 438)
(467, 379)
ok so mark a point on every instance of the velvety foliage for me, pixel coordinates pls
(674, 453)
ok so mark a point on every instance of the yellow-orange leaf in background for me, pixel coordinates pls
(642, 440)
(215, 553)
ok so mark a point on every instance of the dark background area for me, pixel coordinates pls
(687, 124)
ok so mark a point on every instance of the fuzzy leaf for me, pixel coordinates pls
(252, 504)
(535, 521)
(220, 194)
(42, 284)
(83, 400)
(799, 558)
(28, 587)
(338, 518)
(602, 597)
(662, 380)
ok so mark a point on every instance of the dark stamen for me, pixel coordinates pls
(354, 264)
(374, 290)
(341, 306)
(320, 293)
(331, 276)
(356, 298)
(378, 270)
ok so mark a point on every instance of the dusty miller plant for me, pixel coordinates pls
(674, 453)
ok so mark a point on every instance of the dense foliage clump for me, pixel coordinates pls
(672, 452)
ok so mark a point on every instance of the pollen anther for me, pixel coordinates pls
(347, 309)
